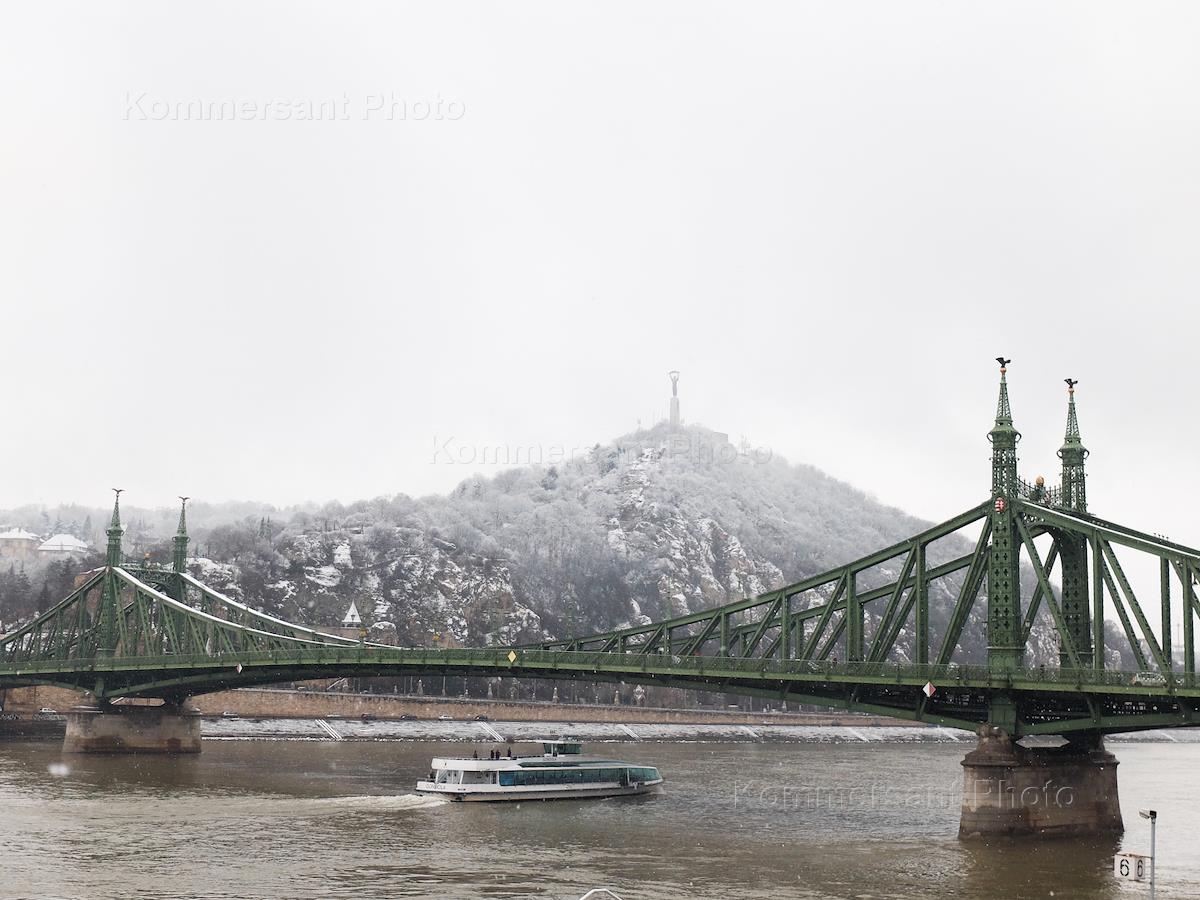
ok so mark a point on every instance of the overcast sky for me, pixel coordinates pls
(512, 220)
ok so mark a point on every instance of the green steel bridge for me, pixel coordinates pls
(859, 637)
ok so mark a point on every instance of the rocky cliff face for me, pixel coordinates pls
(409, 587)
(678, 563)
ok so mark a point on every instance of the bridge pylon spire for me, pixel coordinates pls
(114, 532)
(1005, 636)
(1073, 453)
(1004, 438)
(180, 541)
(111, 590)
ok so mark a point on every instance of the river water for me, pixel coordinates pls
(326, 819)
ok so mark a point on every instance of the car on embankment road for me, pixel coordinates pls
(1150, 679)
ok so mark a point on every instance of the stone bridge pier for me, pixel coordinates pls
(1010, 790)
(97, 727)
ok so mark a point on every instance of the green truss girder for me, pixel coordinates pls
(114, 615)
(882, 688)
(140, 630)
(764, 611)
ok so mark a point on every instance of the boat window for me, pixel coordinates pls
(565, 775)
(559, 748)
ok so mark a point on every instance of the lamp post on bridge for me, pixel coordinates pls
(1152, 815)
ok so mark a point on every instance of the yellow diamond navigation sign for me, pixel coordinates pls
(512, 656)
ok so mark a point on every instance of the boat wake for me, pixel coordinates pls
(225, 807)
(394, 803)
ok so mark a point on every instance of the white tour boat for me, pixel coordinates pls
(561, 771)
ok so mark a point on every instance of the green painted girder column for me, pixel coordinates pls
(1097, 606)
(1005, 635)
(1076, 595)
(854, 619)
(785, 628)
(922, 602)
(1164, 577)
(1189, 615)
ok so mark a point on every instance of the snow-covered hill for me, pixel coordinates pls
(655, 524)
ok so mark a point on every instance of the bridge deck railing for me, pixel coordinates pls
(578, 663)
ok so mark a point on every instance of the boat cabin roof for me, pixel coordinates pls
(470, 764)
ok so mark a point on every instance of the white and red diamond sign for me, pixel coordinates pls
(929, 689)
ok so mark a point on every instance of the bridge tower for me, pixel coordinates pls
(1073, 547)
(1008, 789)
(98, 726)
(110, 594)
(179, 549)
(179, 543)
(1004, 631)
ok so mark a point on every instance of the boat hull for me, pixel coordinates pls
(474, 793)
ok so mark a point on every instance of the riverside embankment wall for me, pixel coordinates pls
(273, 703)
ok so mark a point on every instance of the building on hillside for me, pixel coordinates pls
(16, 543)
(62, 546)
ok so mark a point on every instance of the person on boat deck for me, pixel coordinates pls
(475, 754)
